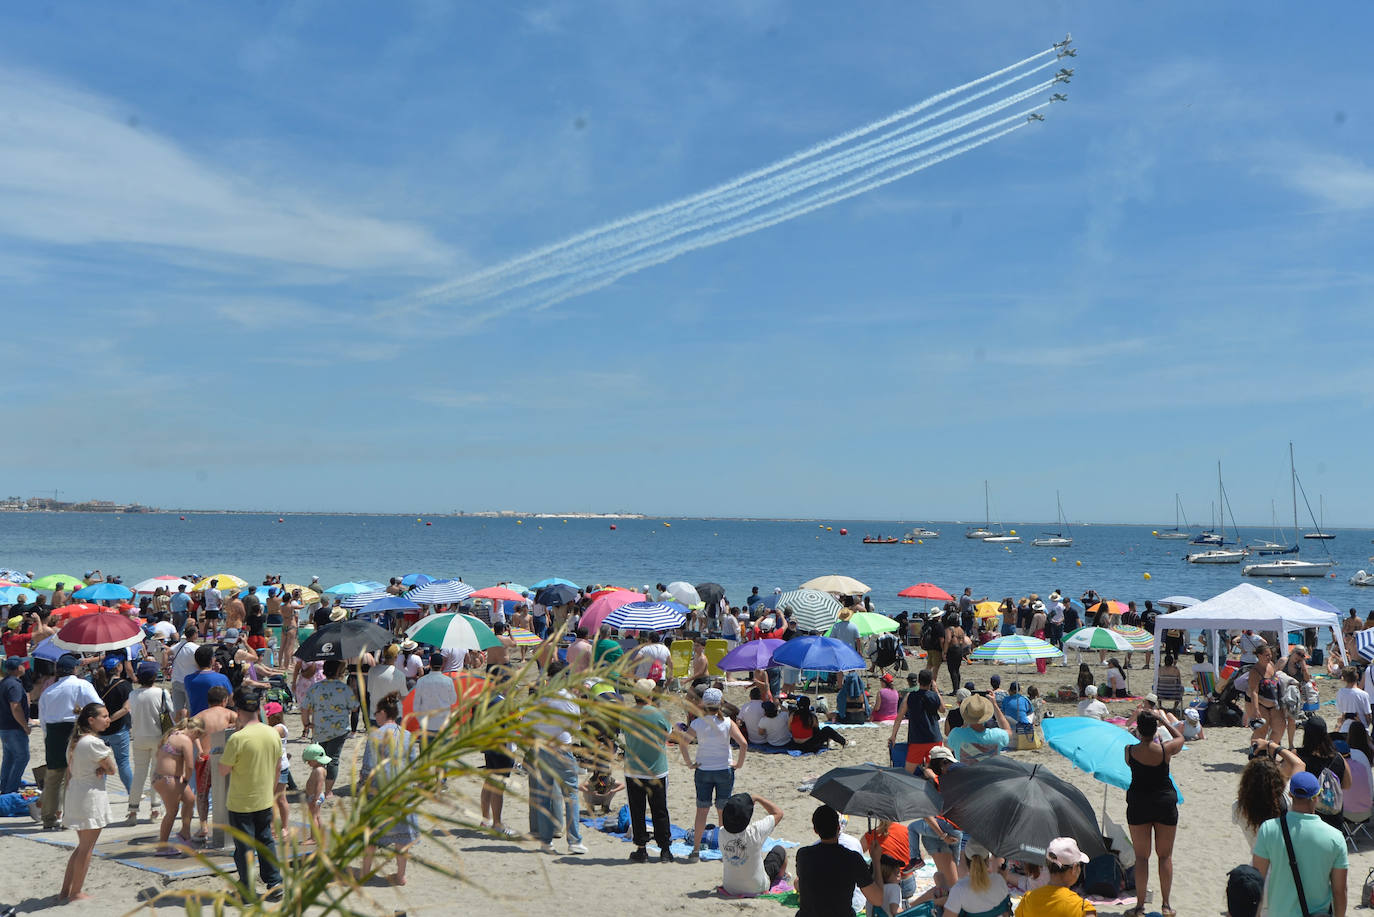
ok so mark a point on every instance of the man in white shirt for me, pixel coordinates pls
(553, 780)
(58, 706)
(183, 656)
(648, 652)
(211, 602)
(1247, 643)
(434, 696)
(747, 870)
(1090, 705)
(1352, 702)
(750, 716)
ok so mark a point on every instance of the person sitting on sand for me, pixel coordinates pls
(750, 715)
(1056, 898)
(1090, 705)
(886, 710)
(774, 726)
(808, 734)
(1085, 678)
(974, 740)
(982, 892)
(747, 870)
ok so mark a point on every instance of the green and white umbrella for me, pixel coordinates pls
(870, 623)
(1097, 638)
(453, 631)
(812, 609)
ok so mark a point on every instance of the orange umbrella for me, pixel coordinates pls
(67, 612)
(469, 687)
(1112, 607)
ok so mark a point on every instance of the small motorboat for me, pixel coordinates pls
(1002, 539)
(1288, 568)
(922, 532)
(1362, 578)
(869, 539)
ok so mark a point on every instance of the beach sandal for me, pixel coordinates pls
(168, 852)
(1167, 911)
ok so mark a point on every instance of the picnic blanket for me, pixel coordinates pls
(777, 750)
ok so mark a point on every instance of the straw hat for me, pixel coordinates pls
(976, 709)
(339, 613)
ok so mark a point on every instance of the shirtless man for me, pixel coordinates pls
(500, 655)
(217, 717)
(234, 613)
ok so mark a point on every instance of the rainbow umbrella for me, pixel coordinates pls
(1138, 637)
(1017, 649)
(1113, 607)
(524, 637)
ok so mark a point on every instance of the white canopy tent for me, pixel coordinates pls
(1248, 607)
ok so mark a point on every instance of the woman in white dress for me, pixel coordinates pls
(87, 806)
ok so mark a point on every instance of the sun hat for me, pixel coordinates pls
(941, 753)
(338, 614)
(1063, 851)
(1090, 691)
(316, 753)
(712, 697)
(1303, 785)
(976, 709)
(1192, 714)
(409, 646)
(1152, 698)
(646, 684)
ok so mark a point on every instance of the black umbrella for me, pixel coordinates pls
(1016, 809)
(889, 793)
(710, 593)
(557, 594)
(347, 639)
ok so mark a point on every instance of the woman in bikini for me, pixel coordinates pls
(173, 772)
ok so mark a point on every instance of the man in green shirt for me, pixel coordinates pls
(646, 772)
(1320, 852)
(607, 650)
(252, 761)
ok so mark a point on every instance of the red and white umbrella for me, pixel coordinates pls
(97, 633)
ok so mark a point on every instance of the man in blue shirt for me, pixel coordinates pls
(14, 727)
(1320, 851)
(198, 684)
(181, 603)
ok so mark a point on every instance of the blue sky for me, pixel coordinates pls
(217, 224)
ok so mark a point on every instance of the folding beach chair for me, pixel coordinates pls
(682, 658)
(1357, 803)
(1169, 689)
(715, 652)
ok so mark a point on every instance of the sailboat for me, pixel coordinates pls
(1270, 548)
(1291, 566)
(1175, 533)
(986, 530)
(1218, 555)
(1055, 539)
(1319, 535)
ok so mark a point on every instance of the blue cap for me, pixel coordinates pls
(1303, 786)
(13, 663)
(67, 663)
(148, 667)
(111, 662)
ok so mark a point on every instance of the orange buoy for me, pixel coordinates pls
(612, 526)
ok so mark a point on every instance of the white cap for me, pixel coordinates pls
(1191, 713)
(1090, 690)
(1063, 851)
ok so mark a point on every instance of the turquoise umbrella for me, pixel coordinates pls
(13, 595)
(1093, 746)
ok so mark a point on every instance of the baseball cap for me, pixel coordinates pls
(1303, 786)
(231, 634)
(1244, 889)
(148, 667)
(1063, 851)
(111, 663)
(316, 753)
(887, 678)
(67, 663)
(1090, 691)
(941, 753)
(712, 697)
(271, 708)
(12, 663)
(16, 622)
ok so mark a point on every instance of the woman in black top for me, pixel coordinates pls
(1318, 754)
(1152, 804)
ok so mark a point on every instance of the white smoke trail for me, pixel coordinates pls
(745, 200)
(605, 275)
(477, 277)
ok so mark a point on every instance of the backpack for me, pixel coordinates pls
(929, 641)
(1330, 800)
(229, 665)
(1103, 877)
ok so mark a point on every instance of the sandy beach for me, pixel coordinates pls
(513, 877)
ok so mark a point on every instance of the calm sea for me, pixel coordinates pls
(737, 554)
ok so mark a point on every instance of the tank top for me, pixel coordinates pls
(1149, 781)
(713, 742)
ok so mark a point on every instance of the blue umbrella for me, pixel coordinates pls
(416, 579)
(49, 650)
(363, 599)
(1311, 601)
(819, 654)
(555, 581)
(13, 595)
(557, 594)
(444, 592)
(103, 592)
(1093, 746)
(351, 589)
(388, 603)
(756, 654)
(652, 616)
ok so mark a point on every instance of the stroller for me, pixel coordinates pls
(279, 691)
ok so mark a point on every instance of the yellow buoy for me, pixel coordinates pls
(1054, 560)
(519, 521)
(541, 528)
(920, 541)
(1305, 591)
(1078, 563)
(417, 519)
(829, 529)
(667, 525)
(565, 522)
(1154, 533)
(1146, 575)
(1013, 531)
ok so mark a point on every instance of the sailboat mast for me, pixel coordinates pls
(987, 510)
(1293, 480)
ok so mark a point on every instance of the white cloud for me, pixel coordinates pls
(73, 172)
(1336, 181)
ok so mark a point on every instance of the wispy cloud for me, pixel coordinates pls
(1336, 181)
(74, 171)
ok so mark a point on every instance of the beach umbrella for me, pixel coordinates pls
(1015, 809)
(67, 612)
(599, 608)
(13, 595)
(1097, 638)
(350, 588)
(524, 637)
(928, 591)
(498, 594)
(526, 591)
(453, 631)
(1311, 601)
(887, 793)
(48, 650)
(819, 654)
(386, 603)
(555, 581)
(604, 590)
(840, 585)
(557, 594)
(1093, 746)
(49, 583)
(710, 592)
(987, 609)
(170, 583)
(308, 596)
(416, 579)
(1138, 637)
(468, 686)
(811, 608)
(14, 576)
(650, 616)
(1364, 644)
(227, 582)
(104, 592)
(347, 639)
(364, 599)
(1111, 606)
(870, 623)
(1015, 648)
(756, 654)
(444, 592)
(97, 633)
(1175, 602)
(683, 593)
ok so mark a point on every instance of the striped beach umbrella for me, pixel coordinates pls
(363, 599)
(14, 576)
(597, 611)
(453, 631)
(1097, 638)
(1138, 637)
(524, 637)
(1364, 644)
(653, 616)
(811, 608)
(444, 592)
(1016, 648)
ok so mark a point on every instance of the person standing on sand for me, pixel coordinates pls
(14, 727)
(646, 773)
(252, 762)
(86, 807)
(921, 709)
(1152, 804)
(58, 707)
(1318, 848)
(331, 704)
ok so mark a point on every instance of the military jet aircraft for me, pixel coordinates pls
(1063, 76)
(1035, 116)
(1067, 52)
(1068, 40)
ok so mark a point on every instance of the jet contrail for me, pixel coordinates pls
(506, 267)
(745, 199)
(604, 275)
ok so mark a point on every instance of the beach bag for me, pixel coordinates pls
(1367, 892)
(1104, 877)
(928, 639)
(1067, 694)
(1329, 800)
(1026, 737)
(164, 715)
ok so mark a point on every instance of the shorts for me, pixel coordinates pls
(211, 614)
(934, 658)
(933, 845)
(179, 699)
(284, 777)
(203, 779)
(721, 783)
(333, 748)
(920, 752)
(258, 643)
(498, 762)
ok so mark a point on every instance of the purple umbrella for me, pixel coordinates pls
(756, 654)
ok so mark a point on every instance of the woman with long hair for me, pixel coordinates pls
(86, 806)
(1152, 805)
(389, 750)
(1266, 694)
(1116, 677)
(981, 893)
(174, 780)
(1358, 740)
(1318, 754)
(1263, 790)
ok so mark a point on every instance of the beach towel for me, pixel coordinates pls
(778, 891)
(713, 853)
(776, 750)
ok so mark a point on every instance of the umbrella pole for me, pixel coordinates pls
(1104, 810)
